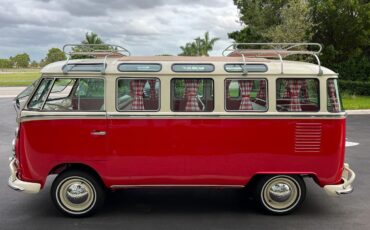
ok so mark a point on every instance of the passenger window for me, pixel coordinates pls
(246, 95)
(333, 96)
(192, 95)
(40, 95)
(138, 94)
(297, 95)
(70, 94)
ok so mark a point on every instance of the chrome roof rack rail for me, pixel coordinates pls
(274, 50)
(93, 50)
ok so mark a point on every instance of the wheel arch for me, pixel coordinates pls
(60, 168)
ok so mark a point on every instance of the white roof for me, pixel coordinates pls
(274, 66)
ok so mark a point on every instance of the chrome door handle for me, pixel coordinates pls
(98, 133)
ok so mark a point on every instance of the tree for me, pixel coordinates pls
(5, 64)
(21, 60)
(34, 64)
(54, 55)
(295, 25)
(90, 39)
(343, 27)
(199, 47)
(274, 21)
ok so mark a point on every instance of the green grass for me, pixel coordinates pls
(351, 102)
(18, 79)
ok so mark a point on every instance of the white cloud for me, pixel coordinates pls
(145, 27)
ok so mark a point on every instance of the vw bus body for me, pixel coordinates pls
(249, 118)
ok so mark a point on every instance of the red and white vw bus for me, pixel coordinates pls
(249, 118)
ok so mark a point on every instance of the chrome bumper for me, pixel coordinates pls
(348, 176)
(19, 185)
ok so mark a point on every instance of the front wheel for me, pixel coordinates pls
(280, 194)
(77, 193)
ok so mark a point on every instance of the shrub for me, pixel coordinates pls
(355, 87)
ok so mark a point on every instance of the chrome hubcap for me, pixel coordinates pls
(280, 192)
(77, 193)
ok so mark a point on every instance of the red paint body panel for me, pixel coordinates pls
(217, 151)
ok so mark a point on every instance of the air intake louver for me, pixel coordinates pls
(308, 137)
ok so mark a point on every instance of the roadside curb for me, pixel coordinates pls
(358, 112)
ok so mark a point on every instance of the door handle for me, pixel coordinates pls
(98, 133)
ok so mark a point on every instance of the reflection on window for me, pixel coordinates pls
(297, 95)
(246, 95)
(138, 94)
(192, 95)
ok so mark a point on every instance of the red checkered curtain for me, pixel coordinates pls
(294, 89)
(138, 90)
(191, 90)
(245, 90)
(262, 92)
(332, 96)
(228, 82)
(306, 96)
(286, 90)
(152, 89)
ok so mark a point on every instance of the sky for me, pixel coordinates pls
(145, 27)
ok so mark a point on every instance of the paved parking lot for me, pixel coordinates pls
(191, 208)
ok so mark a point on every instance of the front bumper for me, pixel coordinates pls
(348, 176)
(18, 185)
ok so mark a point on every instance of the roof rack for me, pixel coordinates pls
(273, 50)
(95, 51)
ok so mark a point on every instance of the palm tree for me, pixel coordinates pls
(199, 47)
(208, 43)
(92, 38)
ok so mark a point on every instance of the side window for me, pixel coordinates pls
(333, 96)
(70, 94)
(297, 95)
(40, 95)
(141, 94)
(89, 95)
(192, 95)
(246, 95)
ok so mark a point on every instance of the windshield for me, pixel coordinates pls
(21, 99)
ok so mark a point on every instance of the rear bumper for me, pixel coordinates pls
(348, 176)
(18, 185)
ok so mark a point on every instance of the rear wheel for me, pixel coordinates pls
(280, 194)
(77, 193)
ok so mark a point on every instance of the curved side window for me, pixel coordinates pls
(334, 104)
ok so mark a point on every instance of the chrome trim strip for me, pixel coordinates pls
(176, 186)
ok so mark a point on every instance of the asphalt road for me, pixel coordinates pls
(191, 208)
